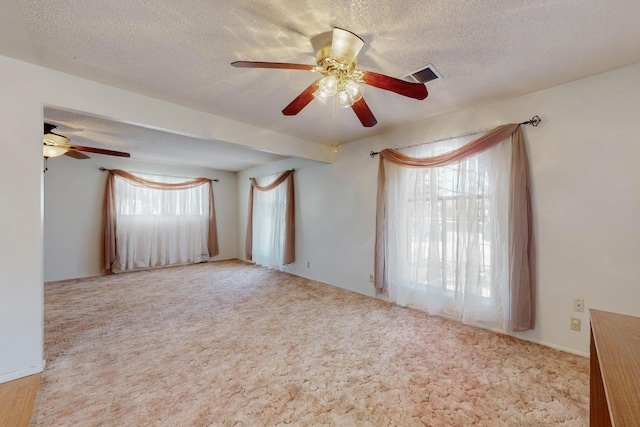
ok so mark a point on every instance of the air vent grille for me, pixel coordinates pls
(424, 74)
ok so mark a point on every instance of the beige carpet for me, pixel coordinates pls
(230, 344)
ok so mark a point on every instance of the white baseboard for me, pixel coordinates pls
(554, 346)
(22, 373)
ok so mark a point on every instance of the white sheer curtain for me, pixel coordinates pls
(269, 209)
(160, 227)
(448, 236)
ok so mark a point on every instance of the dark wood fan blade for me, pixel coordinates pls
(301, 100)
(48, 127)
(412, 90)
(364, 113)
(100, 151)
(76, 154)
(282, 65)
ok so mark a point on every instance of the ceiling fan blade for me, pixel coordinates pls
(412, 90)
(364, 113)
(99, 151)
(48, 127)
(301, 100)
(76, 154)
(282, 65)
(345, 45)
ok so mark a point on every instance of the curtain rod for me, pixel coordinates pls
(103, 169)
(281, 172)
(534, 121)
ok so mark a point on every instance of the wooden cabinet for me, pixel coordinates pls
(615, 370)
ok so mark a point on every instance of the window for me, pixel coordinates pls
(269, 223)
(160, 227)
(272, 219)
(448, 234)
(436, 223)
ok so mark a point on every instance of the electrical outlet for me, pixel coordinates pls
(371, 278)
(578, 305)
(575, 324)
(308, 264)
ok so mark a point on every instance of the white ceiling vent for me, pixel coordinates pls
(424, 74)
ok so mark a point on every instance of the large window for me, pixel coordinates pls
(448, 234)
(159, 227)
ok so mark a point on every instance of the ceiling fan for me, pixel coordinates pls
(337, 63)
(56, 145)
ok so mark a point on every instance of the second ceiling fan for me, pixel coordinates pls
(55, 145)
(337, 63)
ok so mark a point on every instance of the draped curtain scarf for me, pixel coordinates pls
(276, 221)
(120, 246)
(519, 252)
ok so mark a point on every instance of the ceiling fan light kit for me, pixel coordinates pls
(337, 63)
(348, 91)
(53, 151)
(54, 144)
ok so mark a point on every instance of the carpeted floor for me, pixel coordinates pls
(231, 344)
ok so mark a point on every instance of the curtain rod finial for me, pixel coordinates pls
(535, 121)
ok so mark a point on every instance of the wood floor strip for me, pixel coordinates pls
(17, 398)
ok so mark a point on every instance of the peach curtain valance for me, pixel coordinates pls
(109, 211)
(289, 253)
(141, 182)
(521, 242)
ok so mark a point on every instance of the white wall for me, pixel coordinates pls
(73, 200)
(586, 195)
(21, 302)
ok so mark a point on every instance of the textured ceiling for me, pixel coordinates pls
(180, 51)
(154, 145)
